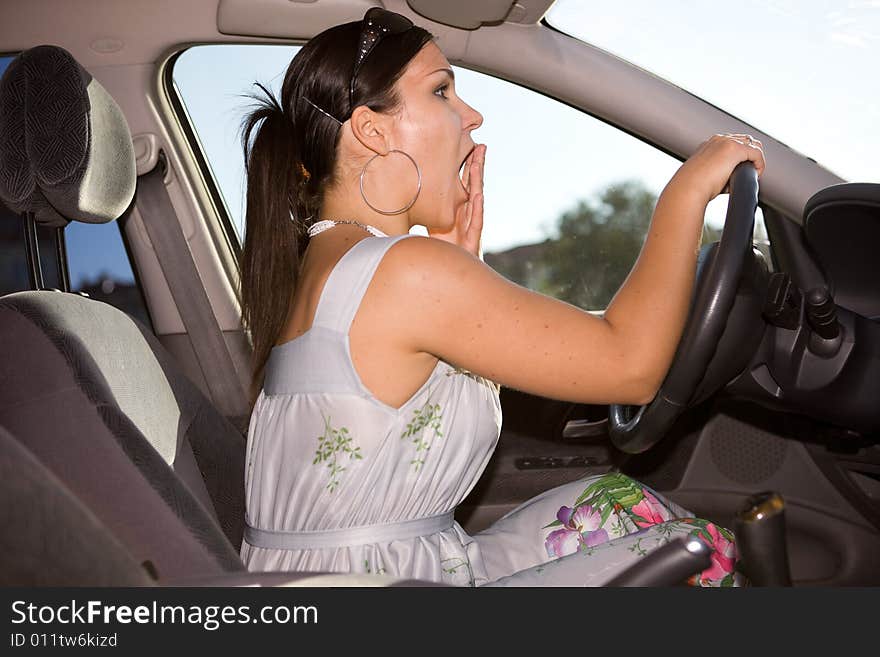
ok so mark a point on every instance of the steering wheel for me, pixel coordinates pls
(634, 429)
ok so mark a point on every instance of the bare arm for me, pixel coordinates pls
(650, 308)
(460, 310)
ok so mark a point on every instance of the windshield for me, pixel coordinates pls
(803, 72)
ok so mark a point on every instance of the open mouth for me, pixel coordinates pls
(461, 166)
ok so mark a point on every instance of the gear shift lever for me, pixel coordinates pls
(760, 539)
(669, 565)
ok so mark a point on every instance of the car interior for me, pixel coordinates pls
(123, 432)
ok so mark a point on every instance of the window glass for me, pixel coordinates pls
(568, 197)
(803, 74)
(98, 262)
(13, 259)
(100, 265)
(215, 106)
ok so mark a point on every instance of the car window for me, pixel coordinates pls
(568, 197)
(98, 263)
(804, 83)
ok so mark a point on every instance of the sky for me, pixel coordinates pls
(530, 179)
(802, 71)
(792, 69)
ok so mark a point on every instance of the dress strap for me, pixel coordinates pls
(347, 536)
(347, 283)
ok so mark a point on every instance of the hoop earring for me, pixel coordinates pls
(405, 207)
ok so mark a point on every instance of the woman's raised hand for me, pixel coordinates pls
(468, 226)
(708, 170)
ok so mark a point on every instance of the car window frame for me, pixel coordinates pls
(193, 142)
(215, 194)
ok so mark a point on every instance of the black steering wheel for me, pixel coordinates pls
(634, 429)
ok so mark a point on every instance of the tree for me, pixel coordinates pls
(595, 246)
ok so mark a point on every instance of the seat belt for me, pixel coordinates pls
(176, 261)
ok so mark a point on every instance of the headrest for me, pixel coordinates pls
(65, 148)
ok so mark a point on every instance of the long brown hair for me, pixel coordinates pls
(290, 159)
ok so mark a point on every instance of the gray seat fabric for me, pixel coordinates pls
(65, 148)
(99, 401)
(87, 390)
(49, 537)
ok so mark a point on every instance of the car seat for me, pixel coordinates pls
(87, 389)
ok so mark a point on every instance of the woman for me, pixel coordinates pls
(377, 352)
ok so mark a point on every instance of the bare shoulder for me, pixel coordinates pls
(428, 251)
(427, 287)
(423, 263)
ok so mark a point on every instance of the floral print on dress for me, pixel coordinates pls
(724, 553)
(616, 505)
(369, 571)
(650, 511)
(423, 429)
(580, 527)
(332, 445)
(457, 571)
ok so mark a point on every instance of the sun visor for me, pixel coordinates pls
(463, 14)
(288, 19)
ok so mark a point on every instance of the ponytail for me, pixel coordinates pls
(290, 161)
(274, 240)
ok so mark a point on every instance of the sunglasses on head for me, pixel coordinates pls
(377, 24)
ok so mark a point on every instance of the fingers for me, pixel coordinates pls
(755, 153)
(469, 217)
(466, 172)
(477, 162)
(471, 224)
(475, 222)
(754, 149)
(471, 227)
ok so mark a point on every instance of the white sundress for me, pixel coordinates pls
(338, 481)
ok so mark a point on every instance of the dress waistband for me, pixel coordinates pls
(346, 536)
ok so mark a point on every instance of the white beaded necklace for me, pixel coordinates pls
(327, 224)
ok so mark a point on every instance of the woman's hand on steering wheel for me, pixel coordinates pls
(722, 163)
(708, 169)
(468, 227)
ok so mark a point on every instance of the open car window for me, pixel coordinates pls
(568, 197)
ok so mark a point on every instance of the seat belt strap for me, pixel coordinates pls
(190, 297)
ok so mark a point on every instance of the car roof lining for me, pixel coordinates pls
(147, 31)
